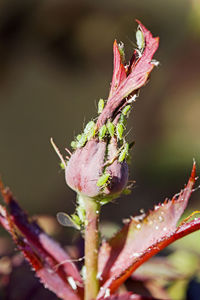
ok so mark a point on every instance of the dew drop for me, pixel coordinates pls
(136, 254)
(157, 227)
(138, 226)
(126, 221)
(132, 99)
(83, 272)
(165, 229)
(99, 276)
(142, 210)
(160, 219)
(155, 62)
(72, 282)
(107, 293)
(50, 271)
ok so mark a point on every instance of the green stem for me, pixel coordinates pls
(91, 248)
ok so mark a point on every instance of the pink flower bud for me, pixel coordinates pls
(98, 166)
(89, 163)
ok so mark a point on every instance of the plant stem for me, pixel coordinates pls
(91, 248)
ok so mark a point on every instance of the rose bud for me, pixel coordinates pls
(98, 168)
(94, 170)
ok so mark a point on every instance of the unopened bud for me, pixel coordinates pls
(94, 170)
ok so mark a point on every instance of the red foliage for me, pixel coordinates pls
(119, 71)
(128, 79)
(128, 296)
(52, 264)
(143, 237)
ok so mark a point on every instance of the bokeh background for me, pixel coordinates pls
(56, 62)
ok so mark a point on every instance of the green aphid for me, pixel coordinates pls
(124, 153)
(119, 130)
(81, 142)
(79, 136)
(111, 128)
(125, 110)
(102, 132)
(103, 179)
(91, 134)
(127, 191)
(126, 147)
(76, 219)
(100, 106)
(121, 51)
(122, 120)
(81, 213)
(105, 201)
(90, 125)
(90, 130)
(140, 40)
(62, 165)
(74, 145)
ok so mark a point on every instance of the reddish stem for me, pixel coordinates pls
(91, 248)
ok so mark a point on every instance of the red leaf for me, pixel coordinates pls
(119, 73)
(52, 264)
(137, 77)
(143, 237)
(127, 296)
(155, 269)
(141, 69)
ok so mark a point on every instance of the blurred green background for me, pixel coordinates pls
(56, 62)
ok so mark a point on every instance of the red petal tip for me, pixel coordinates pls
(193, 173)
(138, 21)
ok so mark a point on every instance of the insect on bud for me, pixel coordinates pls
(94, 170)
(98, 168)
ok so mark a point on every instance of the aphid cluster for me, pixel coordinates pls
(108, 129)
(110, 132)
(121, 126)
(106, 132)
(113, 129)
(98, 167)
(81, 139)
